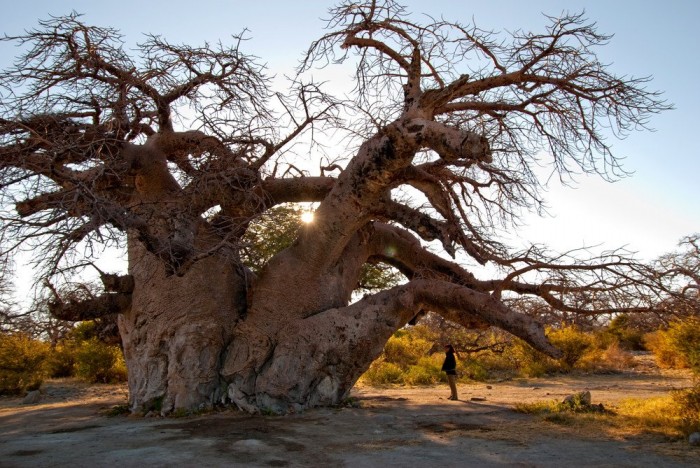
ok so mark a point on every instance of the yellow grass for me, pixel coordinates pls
(673, 416)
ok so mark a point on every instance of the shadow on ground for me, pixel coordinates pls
(384, 427)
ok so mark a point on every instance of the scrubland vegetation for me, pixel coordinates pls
(675, 414)
(413, 356)
(25, 362)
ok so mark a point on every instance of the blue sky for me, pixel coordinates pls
(648, 212)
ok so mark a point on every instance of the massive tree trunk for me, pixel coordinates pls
(177, 330)
(190, 342)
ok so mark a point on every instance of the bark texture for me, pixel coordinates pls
(177, 331)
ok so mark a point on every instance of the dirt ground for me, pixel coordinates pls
(383, 427)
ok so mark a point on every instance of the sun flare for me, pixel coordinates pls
(307, 217)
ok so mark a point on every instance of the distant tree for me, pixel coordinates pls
(33, 320)
(679, 276)
(175, 152)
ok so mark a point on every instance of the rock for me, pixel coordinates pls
(694, 439)
(578, 399)
(489, 387)
(32, 398)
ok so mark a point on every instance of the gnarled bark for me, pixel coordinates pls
(177, 331)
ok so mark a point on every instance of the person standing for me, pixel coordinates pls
(450, 368)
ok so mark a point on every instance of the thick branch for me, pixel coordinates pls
(92, 308)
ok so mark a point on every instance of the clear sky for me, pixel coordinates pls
(648, 212)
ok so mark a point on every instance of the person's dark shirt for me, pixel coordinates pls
(450, 363)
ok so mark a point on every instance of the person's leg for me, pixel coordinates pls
(451, 379)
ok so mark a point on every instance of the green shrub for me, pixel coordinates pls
(97, 362)
(382, 373)
(426, 372)
(418, 375)
(405, 358)
(423, 332)
(84, 356)
(474, 369)
(528, 361)
(611, 359)
(61, 361)
(572, 342)
(665, 354)
(620, 331)
(83, 331)
(21, 363)
(404, 349)
(678, 346)
(688, 408)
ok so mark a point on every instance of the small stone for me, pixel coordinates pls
(32, 398)
(694, 439)
(489, 387)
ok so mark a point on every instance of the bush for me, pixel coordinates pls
(572, 342)
(405, 350)
(97, 362)
(688, 408)
(665, 354)
(426, 372)
(61, 361)
(611, 359)
(527, 361)
(474, 369)
(382, 373)
(678, 346)
(620, 331)
(25, 362)
(21, 363)
(502, 355)
(82, 354)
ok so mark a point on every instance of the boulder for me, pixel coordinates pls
(32, 398)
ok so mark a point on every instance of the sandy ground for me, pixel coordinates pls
(385, 427)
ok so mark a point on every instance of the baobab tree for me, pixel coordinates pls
(174, 151)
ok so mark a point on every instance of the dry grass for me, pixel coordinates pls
(673, 416)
